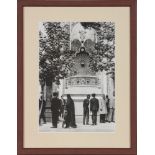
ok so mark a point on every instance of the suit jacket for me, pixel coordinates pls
(94, 104)
(55, 105)
(86, 104)
(107, 100)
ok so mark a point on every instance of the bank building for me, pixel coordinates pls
(83, 81)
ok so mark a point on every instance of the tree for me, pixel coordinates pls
(55, 55)
(103, 54)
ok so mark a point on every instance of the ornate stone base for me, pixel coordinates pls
(79, 87)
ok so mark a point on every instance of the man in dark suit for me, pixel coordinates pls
(55, 109)
(94, 107)
(86, 110)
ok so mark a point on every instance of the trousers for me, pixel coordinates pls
(86, 116)
(94, 117)
(111, 116)
(55, 116)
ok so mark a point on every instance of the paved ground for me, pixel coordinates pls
(100, 127)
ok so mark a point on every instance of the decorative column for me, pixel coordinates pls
(104, 86)
(61, 88)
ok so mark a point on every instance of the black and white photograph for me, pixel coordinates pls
(76, 76)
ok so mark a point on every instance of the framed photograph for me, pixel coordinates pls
(77, 77)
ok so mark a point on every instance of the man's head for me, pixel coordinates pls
(62, 96)
(106, 96)
(93, 95)
(55, 94)
(68, 96)
(88, 96)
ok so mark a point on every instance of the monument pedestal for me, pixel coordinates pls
(79, 87)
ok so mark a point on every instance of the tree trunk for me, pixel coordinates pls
(48, 102)
(48, 93)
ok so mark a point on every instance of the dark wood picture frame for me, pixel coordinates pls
(133, 77)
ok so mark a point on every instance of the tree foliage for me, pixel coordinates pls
(56, 58)
(102, 56)
(54, 52)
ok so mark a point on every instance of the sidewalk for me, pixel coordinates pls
(100, 127)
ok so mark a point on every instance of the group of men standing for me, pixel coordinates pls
(60, 107)
(93, 105)
(66, 109)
